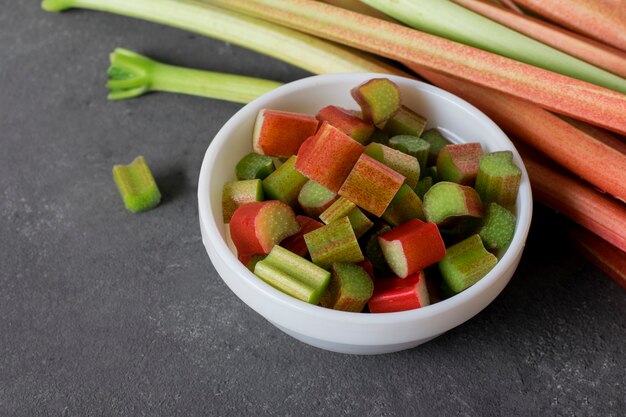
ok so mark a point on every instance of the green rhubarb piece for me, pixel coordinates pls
(405, 122)
(437, 142)
(412, 145)
(423, 186)
(344, 207)
(374, 252)
(498, 179)
(498, 228)
(350, 288)
(285, 183)
(254, 259)
(314, 198)
(136, 185)
(335, 242)
(400, 162)
(238, 193)
(466, 263)
(379, 99)
(406, 205)
(447, 203)
(254, 166)
(459, 163)
(293, 275)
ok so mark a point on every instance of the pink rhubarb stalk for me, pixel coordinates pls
(594, 52)
(604, 20)
(553, 91)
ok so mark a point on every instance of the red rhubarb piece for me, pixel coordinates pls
(256, 227)
(280, 133)
(344, 120)
(412, 247)
(296, 243)
(399, 294)
(459, 163)
(328, 157)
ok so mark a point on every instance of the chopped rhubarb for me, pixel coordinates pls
(399, 294)
(379, 99)
(285, 183)
(334, 242)
(400, 162)
(136, 185)
(498, 179)
(466, 263)
(344, 207)
(437, 141)
(350, 288)
(296, 243)
(280, 133)
(406, 205)
(498, 228)
(238, 193)
(315, 198)
(253, 166)
(449, 203)
(350, 124)
(373, 251)
(328, 157)
(459, 163)
(412, 145)
(412, 247)
(405, 122)
(256, 227)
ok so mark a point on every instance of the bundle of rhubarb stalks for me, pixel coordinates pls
(550, 73)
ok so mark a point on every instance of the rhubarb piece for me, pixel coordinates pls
(250, 261)
(459, 163)
(412, 145)
(293, 275)
(399, 294)
(256, 227)
(334, 242)
(254, 166)
(400, 162)
(296, 243)
(465, 263)
(285, 183)
(446, 203)
(380, 136)
(238, 193)
(498, 228)
(412, 247)
(373, 251)
(437, 141)
(315, 198)
(280, 133)
(344, 207)
(423, 186)
(367, 266)
(371, 185)
(498, 179)
(405, 122)
(350, 288)
(353, 126)
(406, 205)
(136, 185)
(379, 100)
(328, 157)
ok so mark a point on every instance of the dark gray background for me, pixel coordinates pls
(107, 313)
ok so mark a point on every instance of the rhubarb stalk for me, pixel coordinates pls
(553, 91)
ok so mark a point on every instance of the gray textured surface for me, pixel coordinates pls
(107, 313)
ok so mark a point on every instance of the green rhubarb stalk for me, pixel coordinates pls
(131, 75)
(553, 91)
(299, 49)
(446, 19)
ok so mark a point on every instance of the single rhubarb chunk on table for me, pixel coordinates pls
(254, 166)
(136, 185)
(459, 163)
(400, 162)
(334, 242)
(293, 275)
(256, 227)
(280, 133)
(498, 179)
(405, 122)
(328, 157)
(379, 99)
(449, 203)
(437, 141)
(346, 208)
(237, 193)
(466, 263)
(498, 228)
(399, 294)
(412, 247)
(406, 205)
(285, 183)
(295, 243)
(371, 185)
(314, 198)
(412, 145)
(350, 124)
(350, 288)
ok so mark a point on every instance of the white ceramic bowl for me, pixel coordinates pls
(338, 331)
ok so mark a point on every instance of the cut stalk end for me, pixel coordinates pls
(56, 5)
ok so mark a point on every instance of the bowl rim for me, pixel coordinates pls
(525, 208)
